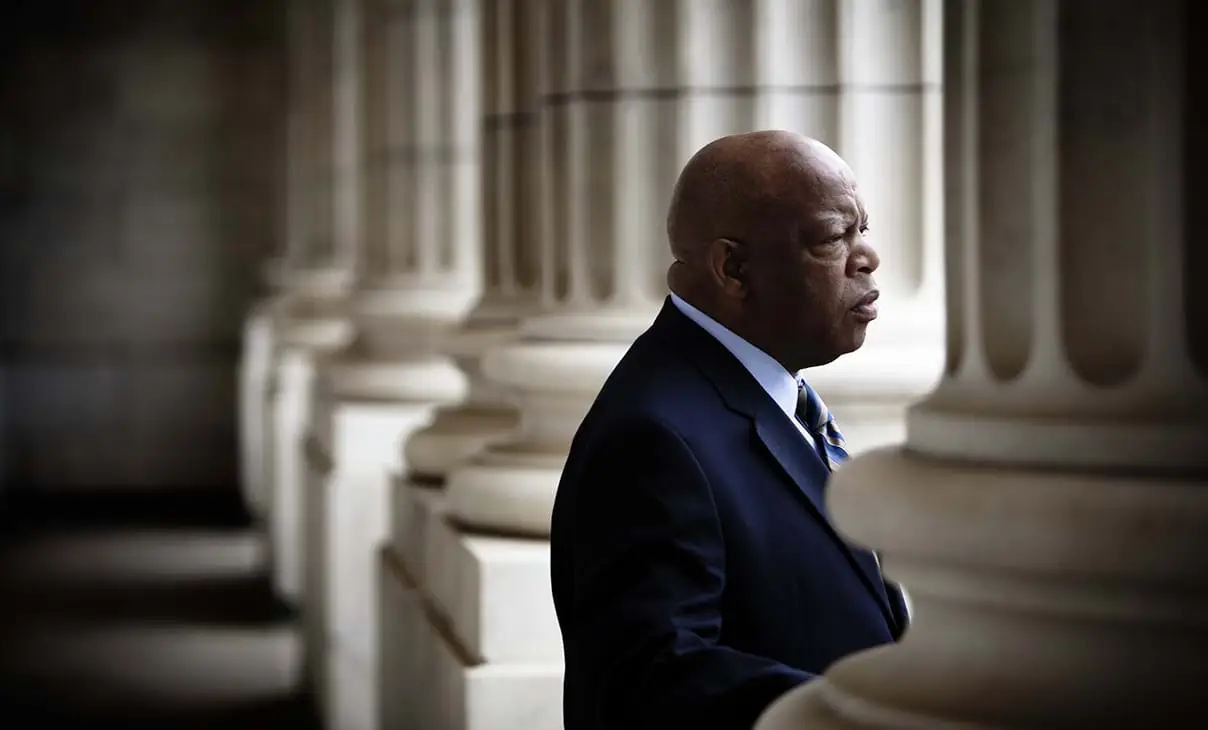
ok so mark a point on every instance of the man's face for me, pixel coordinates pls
(814, 289)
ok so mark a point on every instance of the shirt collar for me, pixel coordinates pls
(778, 383)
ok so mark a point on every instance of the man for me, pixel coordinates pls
(696, 573)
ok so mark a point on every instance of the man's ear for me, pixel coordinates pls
(728, 266)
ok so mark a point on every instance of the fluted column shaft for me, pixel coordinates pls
(1049, 511)
(512, 62)
(316, 267)
(1069, 338)
(421, 270)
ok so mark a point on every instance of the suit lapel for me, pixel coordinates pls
(795, 457)
(804, 467)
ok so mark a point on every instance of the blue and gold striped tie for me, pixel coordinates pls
(818, 419)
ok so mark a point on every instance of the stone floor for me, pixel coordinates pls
(143, 611)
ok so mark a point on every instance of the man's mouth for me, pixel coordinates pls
(866, 308)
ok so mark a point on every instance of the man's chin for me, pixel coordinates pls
(841, 344)
(855, 340)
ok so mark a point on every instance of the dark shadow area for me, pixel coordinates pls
(31, 708)
(220, 601)
(140, 172)
(35, 511)
(126, 610)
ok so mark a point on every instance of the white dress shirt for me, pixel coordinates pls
(778, 383)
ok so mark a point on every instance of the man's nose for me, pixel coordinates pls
(864, 258)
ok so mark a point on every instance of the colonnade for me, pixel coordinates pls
(492, 179)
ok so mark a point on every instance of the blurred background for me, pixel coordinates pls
(140, 175)
(302, 301)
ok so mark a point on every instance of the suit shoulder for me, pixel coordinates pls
(653, 385)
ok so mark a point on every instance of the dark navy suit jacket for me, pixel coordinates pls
(696, 574)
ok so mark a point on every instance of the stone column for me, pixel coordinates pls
(509, 251)
(420, 275)
(313, 276)
(1050, 507)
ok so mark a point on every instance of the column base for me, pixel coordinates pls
(320, 334)
(460, 431)
(508, 489)
(408, 319)
(441, 683)
(1065, 423)
(311, 309)
(454, 436)
(510, 486)
(348, 521)
(1042, 599)
(609, 325)
(357, 376)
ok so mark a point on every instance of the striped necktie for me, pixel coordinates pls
(821, 424)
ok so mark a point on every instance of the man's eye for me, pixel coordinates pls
(864, 229)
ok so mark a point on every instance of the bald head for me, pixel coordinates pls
(767, 232)
(736, 186)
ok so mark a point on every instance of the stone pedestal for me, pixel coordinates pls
(349, 518)
(256, 382)
(453, 687)
(1049, 510)
(309, 324)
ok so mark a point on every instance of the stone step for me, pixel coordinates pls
(139, 576)
(149, 626)
(136, 555)
(175, 667)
